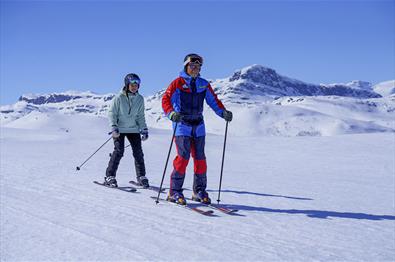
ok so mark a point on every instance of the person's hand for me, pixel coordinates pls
(227, 115)
(144, 134)
(115, 132)
(175, 117)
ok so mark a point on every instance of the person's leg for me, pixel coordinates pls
(200, 165)
(200, 169)
(117, 154)
(183, 146)
(135, 142)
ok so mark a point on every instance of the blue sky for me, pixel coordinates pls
(54, 46)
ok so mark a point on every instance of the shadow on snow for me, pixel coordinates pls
(310, 213)
(315, 213)
(259, 194)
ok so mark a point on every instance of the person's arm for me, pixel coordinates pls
(113, 112)
(168, 99)
(213, 101)
(141, 116)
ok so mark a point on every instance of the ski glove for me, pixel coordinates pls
(144, 134)
(175, 117)
(115, 132)
(227, 115)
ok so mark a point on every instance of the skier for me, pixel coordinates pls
(127, 119)
(183, 104)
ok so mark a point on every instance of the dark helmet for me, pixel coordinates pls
(194, 58)
(132, 78)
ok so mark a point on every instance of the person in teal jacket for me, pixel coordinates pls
(127, 119)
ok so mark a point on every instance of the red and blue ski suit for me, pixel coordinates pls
(186, 95)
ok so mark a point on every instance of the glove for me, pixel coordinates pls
(144, 134)
(175, 117)
(227, 115)
(115, 132)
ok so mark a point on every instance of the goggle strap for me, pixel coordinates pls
(189, 60)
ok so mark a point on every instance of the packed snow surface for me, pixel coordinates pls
(300, 198)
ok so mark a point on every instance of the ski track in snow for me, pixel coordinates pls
(300, 199)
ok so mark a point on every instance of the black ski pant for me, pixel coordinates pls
(119, 148)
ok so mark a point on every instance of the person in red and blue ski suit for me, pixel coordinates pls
(183, 104)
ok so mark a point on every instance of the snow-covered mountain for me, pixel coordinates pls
(263, 103)
(385, 88)
(256, 81)
(70, 102)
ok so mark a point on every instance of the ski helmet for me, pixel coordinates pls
(132, 79)
(193, 58)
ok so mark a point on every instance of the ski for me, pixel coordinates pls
(218, 207)
(195, 209)
(122, 188)
(223, 209)
(153, 188)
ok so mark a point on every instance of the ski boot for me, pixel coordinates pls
(110, 181)
(177, 198)
(143, 181)
(201, 196)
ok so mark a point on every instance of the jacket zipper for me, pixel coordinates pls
(194, 91)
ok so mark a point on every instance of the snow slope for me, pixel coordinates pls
(325, 198)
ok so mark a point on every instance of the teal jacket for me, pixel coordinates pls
(127, 112)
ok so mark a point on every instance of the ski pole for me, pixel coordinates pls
(167, 160)
(222, 165)
(79, 167)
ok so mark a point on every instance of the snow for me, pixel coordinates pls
(358, 84)
(386, 88)
(310, 167)
(301, 198)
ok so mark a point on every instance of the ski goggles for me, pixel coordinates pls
(193, 65)
(133, 81)
(194, 59)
